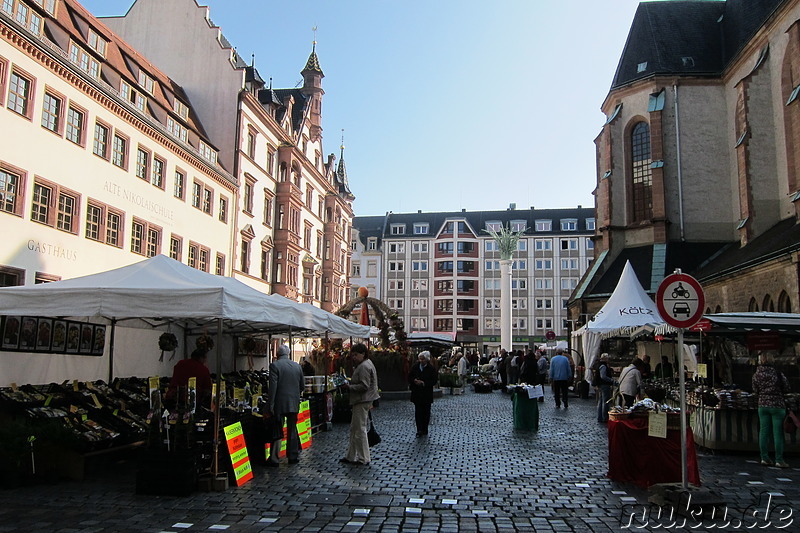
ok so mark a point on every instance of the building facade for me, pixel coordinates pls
(698, 161)
(441, 271)
(294, 217)
(112, 159)
(103, 160)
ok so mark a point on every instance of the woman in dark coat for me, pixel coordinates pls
(421, 379)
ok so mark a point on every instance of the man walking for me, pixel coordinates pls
(561, 375)
(286, 384)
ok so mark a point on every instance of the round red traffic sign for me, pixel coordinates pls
(680, 300)
(550, 335)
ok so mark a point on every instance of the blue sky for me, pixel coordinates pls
(446, 104)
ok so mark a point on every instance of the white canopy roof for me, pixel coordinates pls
(628, 308)
(161, 290)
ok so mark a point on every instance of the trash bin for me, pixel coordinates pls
(526, 410)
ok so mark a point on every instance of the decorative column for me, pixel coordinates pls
(505, 304)
(507, 244)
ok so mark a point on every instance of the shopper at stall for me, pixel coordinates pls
(630, 382)
(286, 384)
(308, 368)
(603, 380)
(664, 369)
(529, 371)
(646, 369)
(561, 373)
(770, 385)
(463, 369)
(194, 367)
(421, 379)
(502, 367)
(363, 388)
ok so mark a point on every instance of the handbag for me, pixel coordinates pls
(273, 428)
(790, 423)
(373, 437)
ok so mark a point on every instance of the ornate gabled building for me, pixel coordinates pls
(294, 213)
(698, 163)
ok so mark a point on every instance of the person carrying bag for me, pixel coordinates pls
(373, 437)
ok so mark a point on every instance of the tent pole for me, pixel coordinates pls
(217, 413)
(111, 351)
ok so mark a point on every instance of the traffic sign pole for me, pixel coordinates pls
(684, 444)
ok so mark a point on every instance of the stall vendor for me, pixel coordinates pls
(194, 367)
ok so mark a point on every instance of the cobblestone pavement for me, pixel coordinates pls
(474, 472)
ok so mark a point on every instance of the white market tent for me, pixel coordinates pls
(628, 310)
(155, 293)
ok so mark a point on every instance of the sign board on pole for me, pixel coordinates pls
(680, 300)
(550, 335)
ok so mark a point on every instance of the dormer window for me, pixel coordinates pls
(544, 225)
(83, 60)
(133, 96)
(421, 228)
(97, 43)
(207, 152)
(569, 224)
(177, 129)
(180, 108)
(518, 225)
(48, 5)
(398, 229)
(494, 225)
(146, 82)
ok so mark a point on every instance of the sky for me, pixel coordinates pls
(445, 104)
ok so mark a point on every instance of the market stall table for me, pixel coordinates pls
(635, 457)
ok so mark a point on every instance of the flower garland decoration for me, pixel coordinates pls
(167, 342)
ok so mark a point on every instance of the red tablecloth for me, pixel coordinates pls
(634, 457)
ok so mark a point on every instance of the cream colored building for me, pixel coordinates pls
(103, 160)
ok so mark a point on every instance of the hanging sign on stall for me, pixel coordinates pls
(303, 431)
(657, 424)
(240, 460)
(680, 300)
(702, 325)
(702, 370)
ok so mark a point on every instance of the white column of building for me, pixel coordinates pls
(505, 304)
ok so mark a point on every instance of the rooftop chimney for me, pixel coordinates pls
(512, 206)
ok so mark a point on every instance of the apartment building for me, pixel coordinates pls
(441, 271)
(104, 160)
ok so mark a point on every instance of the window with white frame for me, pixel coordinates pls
(519, 225)
(590, 224)
(569, 244)
(519, 323)
(180, 108)
(372, 269)
(396, 285)
(397, 229)
(146, 81)
(491, 284)
(568, 283)
(522, 245)
(491, 246)
(419, 303)
(544, 225)
(539, 323)
(178, 130)
(419, 247)
(128, 93)
(208, 153)
(519, 264)
(544, 283)
(491, 323)
(421, 228)
(491, 265)
(396, 266)
(544, 303)
(419, 266)
(548, 323)
(542, 245)
(569, 264)
(589, 244)
(355, 269)
(569, 224)
(543, 264)
(494, 225)
(397, 247)
(520, 284)
(419, 323)
(372, 244)
(396, 303)
(519, 303)
(419, 284)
